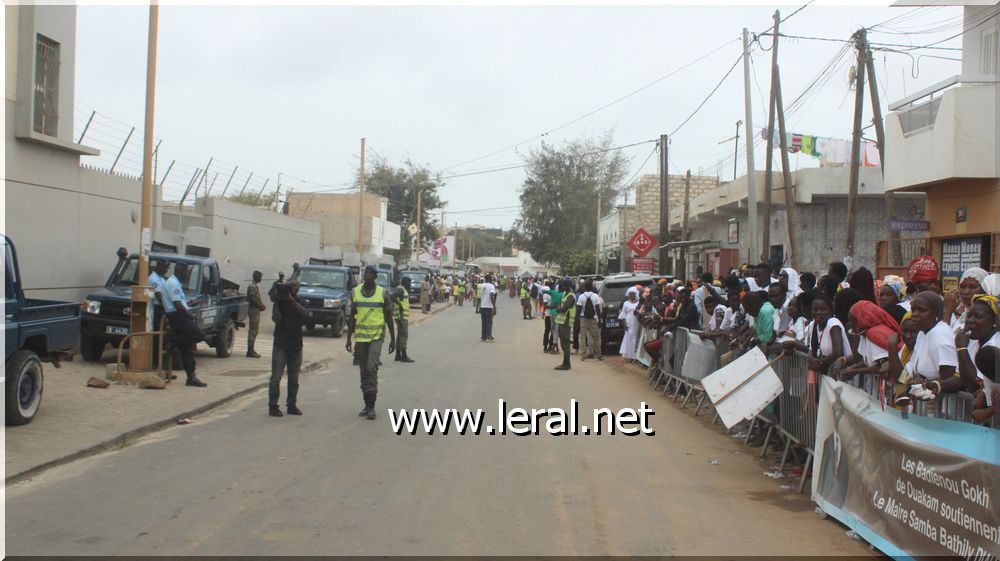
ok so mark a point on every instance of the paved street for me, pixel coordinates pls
(237, 482)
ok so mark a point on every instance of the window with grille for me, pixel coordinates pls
(989, 52)
(46, 117)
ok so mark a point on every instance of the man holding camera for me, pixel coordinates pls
(371, 314)
(289, 316)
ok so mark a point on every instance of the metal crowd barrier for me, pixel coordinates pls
(795, 411)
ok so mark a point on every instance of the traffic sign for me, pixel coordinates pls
(642, 242)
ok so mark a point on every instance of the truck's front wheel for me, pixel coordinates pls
(91, 349)
(225, 340)
(23, 387)
(337, 329)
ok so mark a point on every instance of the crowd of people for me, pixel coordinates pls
(914, 339)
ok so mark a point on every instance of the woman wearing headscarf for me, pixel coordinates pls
(863, 281)
(872, 326)
(630, 322)
(934, 359)
(981, 324)
(957, 302)
(924, 273)
(991, 285)
(892, 297)
(790, 278)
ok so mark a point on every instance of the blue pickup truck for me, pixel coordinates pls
(215, 303)
(325, 290)
(34, 331)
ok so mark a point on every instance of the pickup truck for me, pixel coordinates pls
(325, 290)
(215, 303)
(34, 331)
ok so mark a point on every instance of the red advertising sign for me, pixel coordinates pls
(641, 242)
(640, 265)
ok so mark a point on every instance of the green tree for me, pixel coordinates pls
(253, 199)
(577, 262)
(400, 185)
(559, 198)
(486, 243)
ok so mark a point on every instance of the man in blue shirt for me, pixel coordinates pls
(157, 280)
(186, 332)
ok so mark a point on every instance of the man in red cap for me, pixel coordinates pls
(924, 274)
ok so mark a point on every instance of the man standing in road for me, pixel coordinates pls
(592, 308)
(425, 295)
(564, 316)
(254, 307)
(289, 316)
(487, 306)
(372, 313)
(187, 334)
(526, 298)
(401, 311)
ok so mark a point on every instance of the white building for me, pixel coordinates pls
(944, 141)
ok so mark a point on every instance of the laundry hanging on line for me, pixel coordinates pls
(830, 151)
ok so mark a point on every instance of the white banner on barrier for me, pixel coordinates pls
(699, 361)
(743, 388)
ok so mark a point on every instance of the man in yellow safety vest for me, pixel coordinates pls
(371, 314)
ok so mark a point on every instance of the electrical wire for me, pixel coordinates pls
(709, 96)
(601, 108)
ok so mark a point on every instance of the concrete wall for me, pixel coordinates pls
(611, 229)
(961, 143)
(972, 40)
(821, 236)
(647, 197)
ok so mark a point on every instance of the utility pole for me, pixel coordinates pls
(361, 197)
(622, 262)
(786, 173)
(663, 254)
(751, 180)
(736, 151)
(684, 227)
(895, 250)
(419, 193)
(765, 250)
(140, 356)
(859, 98)
(597, 247)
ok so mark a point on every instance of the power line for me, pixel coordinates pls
(601, 108)
(709, 96)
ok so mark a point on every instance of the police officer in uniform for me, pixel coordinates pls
(371, 314)
(254, 308)
(565, 314)
(401, 311)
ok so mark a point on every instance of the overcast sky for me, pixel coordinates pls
(293, 89)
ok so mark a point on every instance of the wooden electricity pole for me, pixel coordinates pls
(786, 173)
(684, 227)
(140, 356)
(859, 98)
(361, 197)
(663, 254)
(751, 177)
(417, 246)
(895, 251)
(765, 250)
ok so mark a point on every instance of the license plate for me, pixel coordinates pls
(611, 323)
(112, 330)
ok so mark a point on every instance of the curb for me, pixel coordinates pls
(127, 438)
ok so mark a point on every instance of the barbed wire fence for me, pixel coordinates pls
(182, 183)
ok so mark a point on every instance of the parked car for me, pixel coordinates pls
(613, 290)
(35, 331)
(218, 307)
(326, 291)
(417, 279)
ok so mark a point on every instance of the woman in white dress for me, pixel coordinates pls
(630, 339)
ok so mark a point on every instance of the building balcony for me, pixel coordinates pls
(947, 131)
